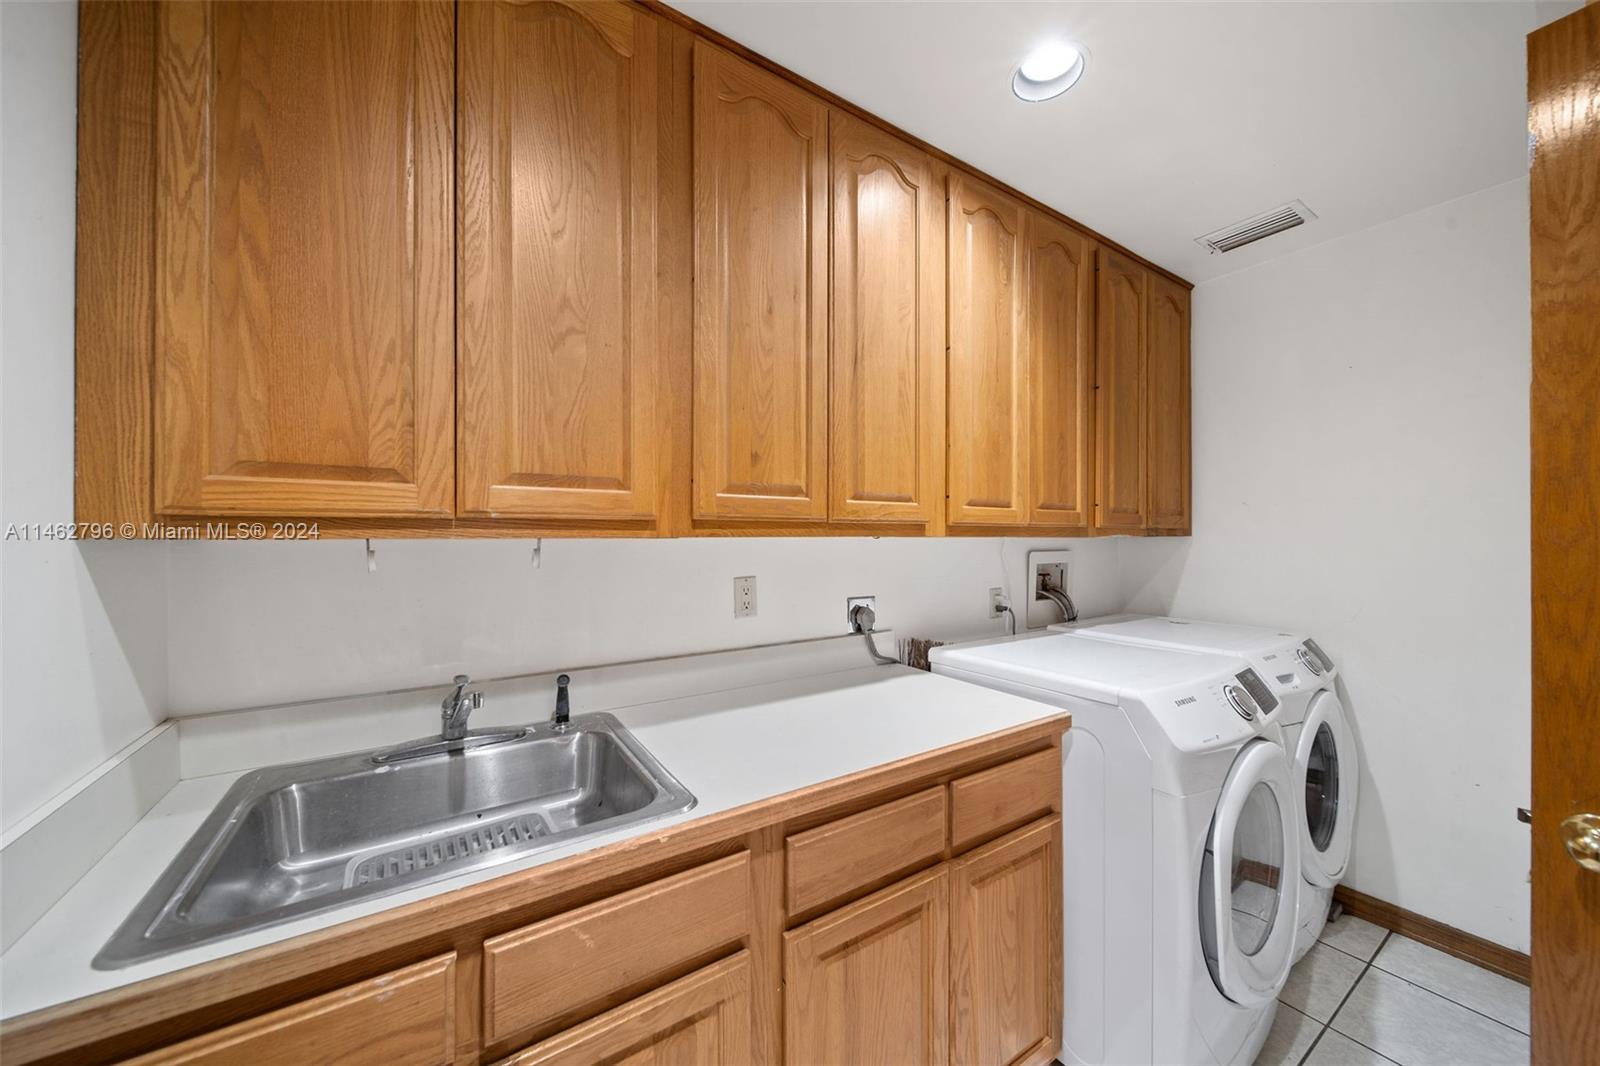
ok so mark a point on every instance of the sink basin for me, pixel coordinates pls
(287, 841)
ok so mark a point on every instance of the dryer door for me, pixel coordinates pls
(1325, 776)
(1249, 882)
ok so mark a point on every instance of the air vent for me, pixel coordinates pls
(1249, 231)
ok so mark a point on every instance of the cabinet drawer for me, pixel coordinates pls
(595, 954)
(827, 863)
(400, 1018)
(703, 1018)
(1005, 796)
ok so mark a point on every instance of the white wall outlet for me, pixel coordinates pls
(744, 597)
(998, 602)
(1052, 565)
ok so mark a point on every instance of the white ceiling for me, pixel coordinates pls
(1191, 115)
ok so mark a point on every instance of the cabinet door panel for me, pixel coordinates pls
(1061, 379)
(1005, 949)
(869, 983)
(1167, 408)
(987, 364)
(700, 1020)
(887, 344)
(760, 293)
(1119, 377)
(559, 367)
(303, 298)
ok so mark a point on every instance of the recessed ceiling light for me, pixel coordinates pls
(1048, 71)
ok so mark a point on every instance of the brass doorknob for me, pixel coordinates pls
(1581, 834)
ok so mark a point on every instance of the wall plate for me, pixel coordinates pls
(1039, 613)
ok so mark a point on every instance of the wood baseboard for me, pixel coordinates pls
(1447, 938)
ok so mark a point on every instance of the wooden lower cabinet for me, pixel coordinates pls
(869, 983)
(700, 1020)
(1005, 949)
(894, 916)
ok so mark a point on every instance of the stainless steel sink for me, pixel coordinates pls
(290, 840)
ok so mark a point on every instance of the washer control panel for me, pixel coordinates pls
(1258, 690)
(1240, 701)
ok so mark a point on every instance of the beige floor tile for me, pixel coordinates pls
(1415, 1027)
(1292, 1033)
(1336, 1049)
(1500, 998)
(1319, 981)
(1354, 936)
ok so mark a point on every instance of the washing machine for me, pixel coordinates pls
(1179, 838)
(1315, 732)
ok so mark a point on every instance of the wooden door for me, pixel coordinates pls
(869, 983)
(1060, 332)
(1005, 971)
(1166, 390)
(1564, 201)
(987, 419)
(700, 1020)
(559, 362)
(304, 310)
(1120, 324)
(886, 300)
(760, 293)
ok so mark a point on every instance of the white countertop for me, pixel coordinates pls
(729, 748)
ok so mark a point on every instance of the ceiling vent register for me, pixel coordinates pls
(1257, 227)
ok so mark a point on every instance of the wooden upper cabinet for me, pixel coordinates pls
(887, 303)
(1167, 408)
(303, 307)
(559, 367)
(1060, 317)
(987, 422)
(869, 983)
(1005, 971)
(760, 408)
(1120, 355)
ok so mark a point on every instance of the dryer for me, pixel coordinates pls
(1179, 893)
(1315, 732)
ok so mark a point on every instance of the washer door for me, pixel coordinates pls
(1325, 778)
(1249, 883)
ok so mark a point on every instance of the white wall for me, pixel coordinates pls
(82, 626)
(1361, 473)
(259, 623)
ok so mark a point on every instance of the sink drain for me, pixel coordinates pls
(493, 836)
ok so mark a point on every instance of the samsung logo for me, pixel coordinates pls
(1186, 699)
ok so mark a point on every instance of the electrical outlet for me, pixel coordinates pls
(998, 602)
(744, 597)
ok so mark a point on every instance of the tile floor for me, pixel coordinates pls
(1363, 995)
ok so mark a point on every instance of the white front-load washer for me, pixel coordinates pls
(1316, 734)
(1179, 840)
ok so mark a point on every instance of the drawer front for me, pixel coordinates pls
(829, 862)
(703, 1018)
(402, 1018)
(1003, 797)
(599, 952)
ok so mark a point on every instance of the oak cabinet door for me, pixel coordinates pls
(869, 983)
(760, 406)
(1005, 949)
(986, 425)
(1060, 320)
(303, 259)
(559, 368)
(1167, 483)
(886, 428)
(1119, 377)
(700, 1020)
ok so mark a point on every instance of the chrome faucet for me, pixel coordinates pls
(457, 708)
(563, 712)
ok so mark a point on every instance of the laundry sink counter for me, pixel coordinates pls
(730, 748)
